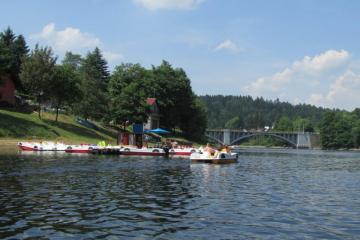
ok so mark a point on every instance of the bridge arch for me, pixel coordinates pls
(239, 139)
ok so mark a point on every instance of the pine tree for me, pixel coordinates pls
(13, 52)
(101, 64)
(94, 78)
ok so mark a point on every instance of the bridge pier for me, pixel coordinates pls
(303, 140)
(226, 139)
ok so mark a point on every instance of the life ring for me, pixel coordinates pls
(126, 150)
(69, 148)
(155, 151)
(193, 150)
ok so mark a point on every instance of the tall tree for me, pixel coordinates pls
(13, 51)
(127, 90)
(65, 87)
(7, 37)
(173, 91)
(37, 73)
(196, 123)
(94, 79)
(101, 64)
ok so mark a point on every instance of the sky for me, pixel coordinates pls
(304, 51)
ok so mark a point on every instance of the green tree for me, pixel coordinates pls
(303, 124)
(235, 123)
(13, 50)
(336, 130)
(73, 60)
(171, 87)
(283, 124)
(101, 64)
(65, 87)
(127, 91)
(196, 124)
(37, 73)
(94, 77)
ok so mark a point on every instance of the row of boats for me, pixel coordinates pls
(195, 154)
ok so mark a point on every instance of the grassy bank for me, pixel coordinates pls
(15, 126)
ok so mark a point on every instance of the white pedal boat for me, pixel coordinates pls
(217, 158)
(182, 151)
(133, 151)
(42, 146)
(82, 148)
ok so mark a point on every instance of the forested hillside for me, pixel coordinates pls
(246, 112)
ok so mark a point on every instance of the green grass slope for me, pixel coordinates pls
(18, 125)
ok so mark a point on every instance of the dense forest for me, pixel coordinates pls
(248, 113)
(84, 86)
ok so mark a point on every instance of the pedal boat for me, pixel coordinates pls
(217, 158)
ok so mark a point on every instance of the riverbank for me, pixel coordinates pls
(18, 126)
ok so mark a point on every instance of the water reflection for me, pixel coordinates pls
(268, 194)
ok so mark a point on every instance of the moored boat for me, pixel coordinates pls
(42, 146)
(128, 150)
(82, 148)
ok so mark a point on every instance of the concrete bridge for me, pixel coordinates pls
(233, 137)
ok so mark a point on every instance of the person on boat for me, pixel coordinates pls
(225, 149)
(209, 150)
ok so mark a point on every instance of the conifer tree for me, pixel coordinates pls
(94, 78)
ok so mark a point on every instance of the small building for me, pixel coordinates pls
(7, 91)
(154, 114)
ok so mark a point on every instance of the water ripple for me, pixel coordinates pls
(267, 195)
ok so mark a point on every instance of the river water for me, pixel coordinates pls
(268, 194)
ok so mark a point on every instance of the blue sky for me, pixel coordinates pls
(298, 51)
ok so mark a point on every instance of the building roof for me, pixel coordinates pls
(151, 101)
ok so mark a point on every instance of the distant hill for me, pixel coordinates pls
(249, 113)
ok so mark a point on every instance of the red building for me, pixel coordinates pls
(7, 91)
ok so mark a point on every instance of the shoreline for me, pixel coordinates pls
(284, 148)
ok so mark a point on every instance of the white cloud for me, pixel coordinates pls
(68, 39)
(112, 57)
(227, 45)
(343, 93)
(303, 74)
(322, 62)
(168, 4)
(72, 39)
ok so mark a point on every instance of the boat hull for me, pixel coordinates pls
(218, 158)
(79, 149)
(214, 161)
(42, 147)
(142, 152)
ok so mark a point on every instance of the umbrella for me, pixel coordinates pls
(158, 130)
